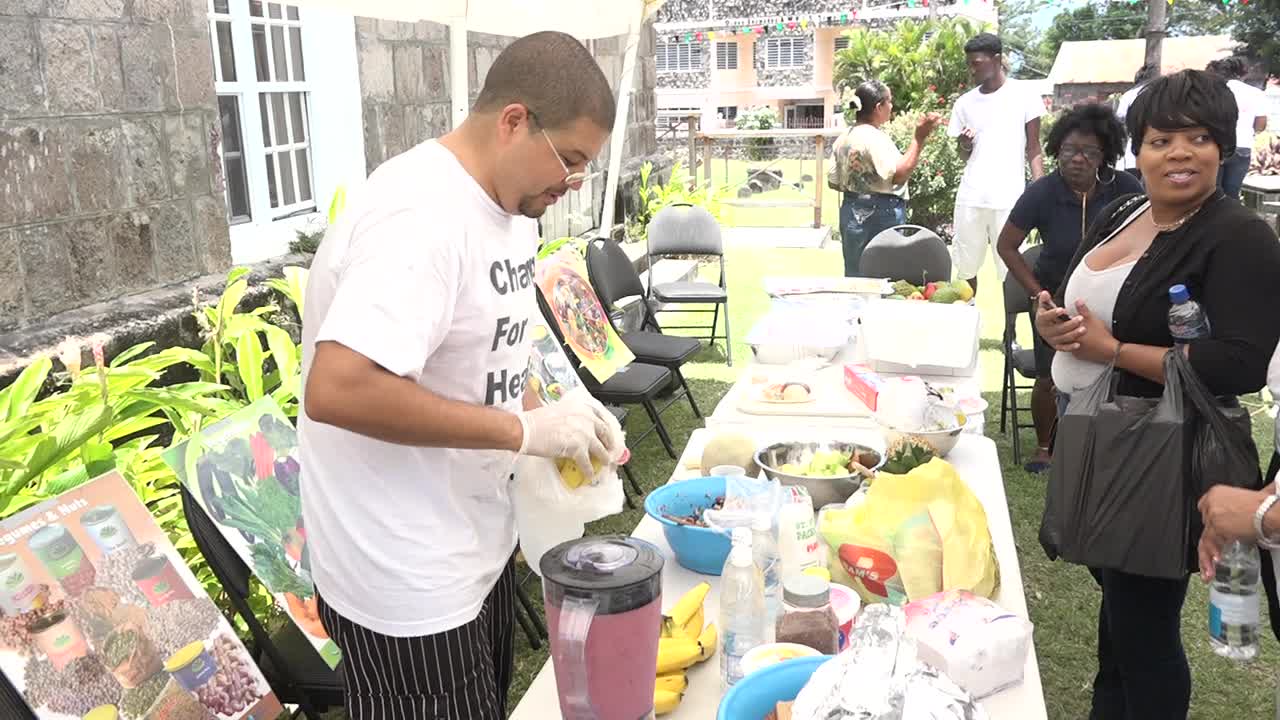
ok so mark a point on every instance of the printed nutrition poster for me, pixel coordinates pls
(103, 619)
(577, 311)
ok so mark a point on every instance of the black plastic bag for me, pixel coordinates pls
(1118, 492)
(1223, 451)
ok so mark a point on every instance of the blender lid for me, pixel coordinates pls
(614, 570)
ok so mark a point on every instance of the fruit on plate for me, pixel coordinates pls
(905, 455)
(786, 392)
(730, 449)
(929, 290)
(964, 288)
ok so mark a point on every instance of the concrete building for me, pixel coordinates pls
(146, 143)
(712, 60)
(1095, 69)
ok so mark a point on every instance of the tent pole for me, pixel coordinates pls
(619, 137)
(459, 92)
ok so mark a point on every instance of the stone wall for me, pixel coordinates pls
(700, 78)
(784, 77)
(108, 176)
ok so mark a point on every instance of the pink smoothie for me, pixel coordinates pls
(622, 652)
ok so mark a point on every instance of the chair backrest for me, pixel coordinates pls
(684, 229)
(611, 273)
(12, 704)
(1016, 298)
(906, 252)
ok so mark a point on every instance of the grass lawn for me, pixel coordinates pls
(1063, 599)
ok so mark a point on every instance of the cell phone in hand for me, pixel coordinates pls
(1062, 315)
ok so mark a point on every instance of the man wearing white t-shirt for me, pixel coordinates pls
(1145, 74)
(997, 128)
(1251, 118)
(415, 355)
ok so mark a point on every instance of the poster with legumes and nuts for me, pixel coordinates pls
(243, 472)
(102, 619)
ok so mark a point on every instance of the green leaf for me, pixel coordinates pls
(235, 274)
(6, 464)
(131, 353)
(168, 400)
(131, 426)
(67, 438)
(249, 362)
(283, 351)
(232, 295)
(17, 398)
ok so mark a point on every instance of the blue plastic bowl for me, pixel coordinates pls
(699, 549)
(757, 694)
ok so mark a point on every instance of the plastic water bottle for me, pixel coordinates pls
(1233, 603)
(764, 551)
(741, 608)
(1187, 319)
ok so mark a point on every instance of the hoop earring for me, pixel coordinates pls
(1098, 175)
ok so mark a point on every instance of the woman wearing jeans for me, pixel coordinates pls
(1113, 311)
(871, 172)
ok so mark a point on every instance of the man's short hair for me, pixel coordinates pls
(553, 75)
(1146, 72)
(984, 43)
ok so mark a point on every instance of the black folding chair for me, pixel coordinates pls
(918, 256)
(1017, 361)
(614, 278)
(636, 384)
(12, 704)
(684, 229)
(287, 659)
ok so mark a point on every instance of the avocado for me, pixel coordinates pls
(945, 295)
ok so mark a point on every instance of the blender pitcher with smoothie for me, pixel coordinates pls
(603, 599)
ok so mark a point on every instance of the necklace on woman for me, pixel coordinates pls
(1176, 223)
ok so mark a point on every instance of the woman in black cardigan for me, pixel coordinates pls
(1113, 308)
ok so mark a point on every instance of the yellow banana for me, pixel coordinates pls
(707, 642)
(665, 701)
(680, 613)
(676, 654)
(693, 628)
(673, 682)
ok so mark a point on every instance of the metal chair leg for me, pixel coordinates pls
(661, 429)
(539, 629)
(689, 393)
(728, 337)
(1013, 410)
(1006, 381)
(631, 477)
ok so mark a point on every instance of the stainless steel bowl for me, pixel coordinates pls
(942, 441)
(823, 490)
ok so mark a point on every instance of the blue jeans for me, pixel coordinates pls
(862, 217)
(1231, 174)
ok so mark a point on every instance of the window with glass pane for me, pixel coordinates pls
(263, 100)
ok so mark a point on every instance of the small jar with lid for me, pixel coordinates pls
(807, 617)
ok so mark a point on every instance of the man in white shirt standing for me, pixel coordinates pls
(1145, 74)
(1251, 105)
(997, 128)
(415, 353)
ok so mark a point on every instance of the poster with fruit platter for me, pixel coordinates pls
(243, 471)
(102, 619)
(583, 321)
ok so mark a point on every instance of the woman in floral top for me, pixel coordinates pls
(871, 172)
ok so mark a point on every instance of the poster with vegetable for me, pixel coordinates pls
(243, 471)
(101, 617)
(562, 278)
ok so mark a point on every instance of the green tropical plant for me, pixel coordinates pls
(932, 187)
(762, 117)
(922, 62)
(654, 196)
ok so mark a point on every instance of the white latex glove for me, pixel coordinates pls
(567, 430)
(615, 442)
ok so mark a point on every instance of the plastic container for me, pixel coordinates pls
(807, 616)
(764, 550)
(1187, 319)
(798, 544)
(771, 654)
(760, 692)
(19, 591)
(846, 603)
(192, 666)
(742, 608)
(699, 549)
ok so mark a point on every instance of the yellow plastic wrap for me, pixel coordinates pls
(914, 535)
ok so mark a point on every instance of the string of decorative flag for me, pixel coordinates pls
(692, 30)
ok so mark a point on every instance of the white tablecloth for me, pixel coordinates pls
(975, 459)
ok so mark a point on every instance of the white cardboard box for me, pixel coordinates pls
(921, 338)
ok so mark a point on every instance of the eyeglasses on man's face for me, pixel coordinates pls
(574, 180)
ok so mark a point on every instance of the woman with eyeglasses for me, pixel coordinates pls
(1086, 143)
(871, 172)
(1111, 315)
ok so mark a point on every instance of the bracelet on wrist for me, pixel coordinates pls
(1259, 531)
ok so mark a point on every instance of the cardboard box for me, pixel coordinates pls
(920, 338)
(864, 383)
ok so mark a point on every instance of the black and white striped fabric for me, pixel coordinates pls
(459, 674)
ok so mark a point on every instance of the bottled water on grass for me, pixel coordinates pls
(764, 550)
(1233, 603)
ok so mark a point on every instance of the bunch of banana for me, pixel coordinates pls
(685, 641)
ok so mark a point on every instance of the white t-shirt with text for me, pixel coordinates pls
(1251, 104)
(424, 274)
(995, 175)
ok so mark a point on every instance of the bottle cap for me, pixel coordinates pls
(806, 591)
(1178, 294)
(818, 572)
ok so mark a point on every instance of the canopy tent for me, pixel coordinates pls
(584, 19)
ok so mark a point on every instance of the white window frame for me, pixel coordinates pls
(248, 90)
(784, 53)
(727, 55)
(678, 57)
